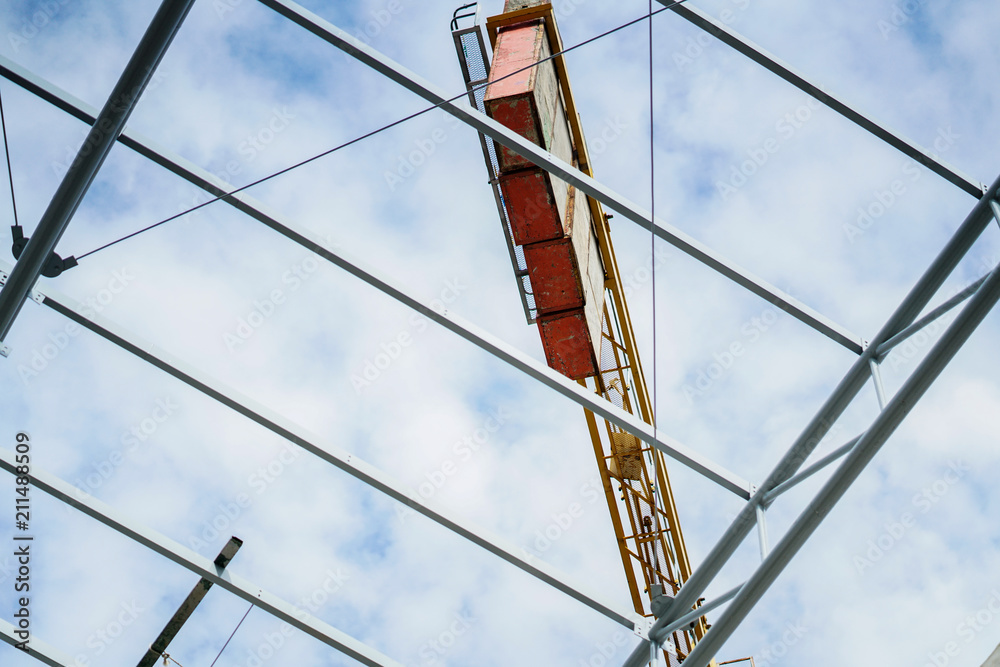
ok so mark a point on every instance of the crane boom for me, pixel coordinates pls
(561, 251)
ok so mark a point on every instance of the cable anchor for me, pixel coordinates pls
(53, 266)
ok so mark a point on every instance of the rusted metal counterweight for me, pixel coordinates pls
(550, 219)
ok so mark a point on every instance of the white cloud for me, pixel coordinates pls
(246, 93)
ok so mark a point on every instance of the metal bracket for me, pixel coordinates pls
(37, 296)
(642, 627)
(659, 600)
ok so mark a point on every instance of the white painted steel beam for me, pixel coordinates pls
(203, 567)
(37, 649)
(328, 452)
(394, 289)
(773, 64)
(687, 244)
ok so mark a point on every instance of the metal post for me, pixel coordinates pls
(762, 532)
(883, 427)
(103, 135)
(877, 380)
(183, 613)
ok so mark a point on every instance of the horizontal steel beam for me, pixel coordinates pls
(687, 244)
(243, 202)
(315, 445)
(37, 649)
(773, 64)
(203, 567)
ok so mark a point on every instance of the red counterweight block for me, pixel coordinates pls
(567, 280)
(529, 102)
(568, 348)
(549, 218)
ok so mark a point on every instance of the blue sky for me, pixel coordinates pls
(243, 94)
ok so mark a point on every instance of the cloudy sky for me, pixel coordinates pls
(904, 571)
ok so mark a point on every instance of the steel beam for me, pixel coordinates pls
(246, 204)
(787, 485)
(95, 149)
(773, 64)
(37, 649)
(687, 244)
(845, 392)
(247, 590)
(159, 646)
(886, 347)
(692, 617)
(328, 452)
(881, 429)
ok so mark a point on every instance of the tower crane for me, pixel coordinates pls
(560, 247)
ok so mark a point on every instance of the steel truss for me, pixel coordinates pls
(981, 297)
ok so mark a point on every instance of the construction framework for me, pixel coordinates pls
(976, 301)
